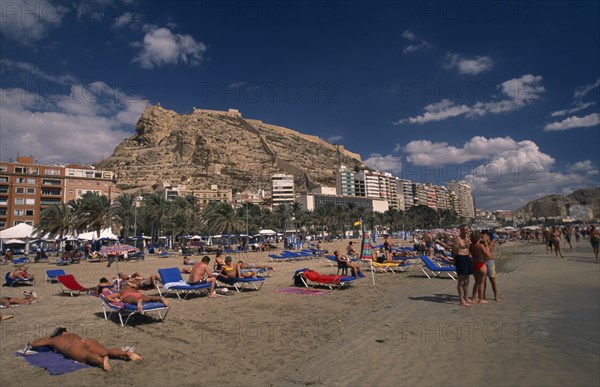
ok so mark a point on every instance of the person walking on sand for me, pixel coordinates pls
(87, 351)
(567, 232)
(462, 261)
(555, 240)
(594, 240)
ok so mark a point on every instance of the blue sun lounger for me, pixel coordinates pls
(240, 283)
(18, 281)
(435, 270)
(173, 282)
(128, 310)
(51, 275)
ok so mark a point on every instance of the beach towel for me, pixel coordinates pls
(171, 284)
(302, 291)
(55, 363)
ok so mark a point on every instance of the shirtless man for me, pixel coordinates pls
(350, 250)
(201, 274)
(345, 261)
(87, 351)
(7, 301)
(460, 251)
(594, 240)
(428, 239)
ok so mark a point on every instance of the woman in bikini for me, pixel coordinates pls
(480, 253)
(87, 351)
(130, 295)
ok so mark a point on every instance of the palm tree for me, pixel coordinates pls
(123, 211)
(56, 221)
(94, 211)
(223, 219)
(153, 212)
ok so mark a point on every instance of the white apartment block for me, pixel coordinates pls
(465, 198)
(282, 189)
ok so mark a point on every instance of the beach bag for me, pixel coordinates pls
(298, 279)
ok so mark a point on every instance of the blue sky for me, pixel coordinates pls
(502, 94)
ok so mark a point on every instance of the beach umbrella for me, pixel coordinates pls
(117, 249)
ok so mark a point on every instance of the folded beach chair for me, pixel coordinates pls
(331, 281)
(20, 261)
(173, 282)
(240, 283)
(279, 258)
(389, 267)
(17, 281)
(52, 274)
(68, 284)
(434, 269)
(129, 310)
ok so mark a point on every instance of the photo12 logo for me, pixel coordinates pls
(476, 331)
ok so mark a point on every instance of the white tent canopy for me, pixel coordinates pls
(267, 232)
(104, 234)
(14, 242)
(19, 231)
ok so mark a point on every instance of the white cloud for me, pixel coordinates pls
(7, 65)
(334, 139)
(574, 122)
(502, 172)
(518, 92)
(83, 126)
(472, 66)
(131, 19)
(578, 106)
(582, 91)
(29, 21)
(161, 47)
(424, 45)
(387, 163)
(408, 35)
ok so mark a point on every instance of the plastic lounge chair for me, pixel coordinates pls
(129, 310)
(19, 261)
(68, 284)
(52, 274)
(434, 269)
(173, 282)
(17, 281)
(240, 283)
(331, 281)
(389, 267)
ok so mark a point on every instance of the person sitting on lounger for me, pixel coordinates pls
(130, 295)
(87, 350)
(20, 272)
(242, 265)
(201, 274)
(187, 261)
(219, 260)
(342, 259)
(104, 285)
(229, 272)
(7, 301)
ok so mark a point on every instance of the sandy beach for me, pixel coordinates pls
(407, 330)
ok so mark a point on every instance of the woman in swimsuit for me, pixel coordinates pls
(88, 351)
(480, 253)
(130, 295)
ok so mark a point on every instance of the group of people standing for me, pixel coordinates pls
(474, 254)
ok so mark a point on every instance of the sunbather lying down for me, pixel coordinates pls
(7, 301)
(87, 351)
(130, 295)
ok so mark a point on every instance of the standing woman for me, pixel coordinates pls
(555, 238)
(595, 240)
(480, 253)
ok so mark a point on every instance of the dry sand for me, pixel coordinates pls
(408, 330)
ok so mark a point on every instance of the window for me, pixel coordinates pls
(2, 211)
(21, 180)
(28, 212)
(3, 168)
(19, 212)
(20, 190)
(30, 191)
(31, 180)
(20, 201)
(18, 169)
(52, 172)
(3, 179)
(29, 223)
(30, 202)
(2, 201)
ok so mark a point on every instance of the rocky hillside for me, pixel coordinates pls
(560, 206)
(212, 147)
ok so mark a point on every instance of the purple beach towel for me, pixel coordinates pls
(55, 363)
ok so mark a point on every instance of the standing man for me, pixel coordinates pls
(490, 264)
(462, 261)
(594, 240)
